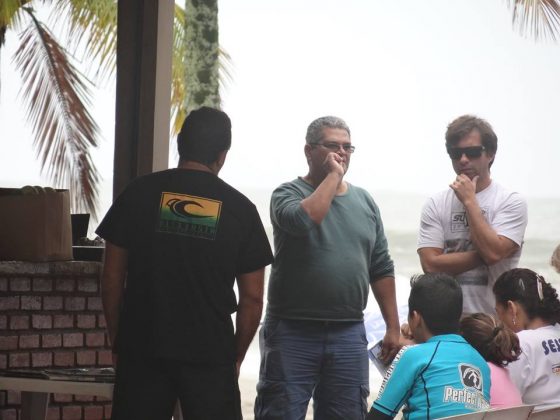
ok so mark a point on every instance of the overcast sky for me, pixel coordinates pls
(397, 71)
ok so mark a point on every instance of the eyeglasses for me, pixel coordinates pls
(335, 147)
(472, 152)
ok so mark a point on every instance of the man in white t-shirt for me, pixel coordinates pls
(474, 230)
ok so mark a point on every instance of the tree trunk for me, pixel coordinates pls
(201, 78)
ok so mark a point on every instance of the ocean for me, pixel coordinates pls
(401, 217)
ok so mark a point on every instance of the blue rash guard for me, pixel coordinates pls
(444, 376)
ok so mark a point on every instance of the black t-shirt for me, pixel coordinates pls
(188, 234)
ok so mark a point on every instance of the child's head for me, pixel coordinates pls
(494, 341)
(438, 299)
(522, 296)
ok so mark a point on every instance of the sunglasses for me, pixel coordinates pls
(472, 152)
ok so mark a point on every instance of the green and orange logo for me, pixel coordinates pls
(189, 215)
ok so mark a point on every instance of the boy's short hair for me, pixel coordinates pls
(439, 299)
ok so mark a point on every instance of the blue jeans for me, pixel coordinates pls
(324, 359)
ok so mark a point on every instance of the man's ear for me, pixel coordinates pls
(221, 159)
(307, 151)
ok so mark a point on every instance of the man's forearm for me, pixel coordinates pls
(385, 295)
(491, 247)
(112, 286)
(317, 205)
(111, 306)
(433, 260)
(246, 323)
(249, 311)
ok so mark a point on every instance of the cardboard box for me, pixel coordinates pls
(35, 227)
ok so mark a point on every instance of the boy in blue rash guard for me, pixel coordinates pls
(442, 376)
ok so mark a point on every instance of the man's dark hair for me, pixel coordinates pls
(439, 299)
(464, 125)
(205, 133)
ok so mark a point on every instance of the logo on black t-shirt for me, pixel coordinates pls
(189, 215)
(471, 376)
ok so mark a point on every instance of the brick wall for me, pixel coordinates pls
(51, 316)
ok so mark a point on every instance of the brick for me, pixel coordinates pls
(41, 321)
(62, 398)
(95, 304)
(31, 302)
(9, 303)
(13, 397)
(105, 358)
(72, 412)
(51, 341)
(95, 339)
(3, 285)
(19, 360)
(9, 342)
(53, 413)
(84, 398)
(101, 322)
(74, 303)
(41, 359)
(20, 285)
(3, 362)
(42, 285)
(86, 321)
(9, 414)
(3, 322)
(29, 341)
(52, 303)
(65, 285)
(93, 412)
(19, 322)
(85, 358)
(108, 409)
(63, 321)
(3, 398)
(87, 285)
(73, 340)
(65, 359)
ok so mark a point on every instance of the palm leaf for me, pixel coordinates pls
(91, 27)
(56, 95)
(539, 19)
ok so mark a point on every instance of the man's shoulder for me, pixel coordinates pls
(295, 185)
(362, 192)
(507, 194)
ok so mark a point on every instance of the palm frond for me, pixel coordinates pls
(10, 12)
(538, 19)
(178, 66)
(57, 97)
(91, 27)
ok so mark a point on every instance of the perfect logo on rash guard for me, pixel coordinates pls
(471, 393)
(189, 215)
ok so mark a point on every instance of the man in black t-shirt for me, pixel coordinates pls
(176, 242)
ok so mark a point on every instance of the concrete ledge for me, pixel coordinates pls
(62, 268)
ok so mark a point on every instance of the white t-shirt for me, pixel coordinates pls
(537, 372)
(444, 225)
